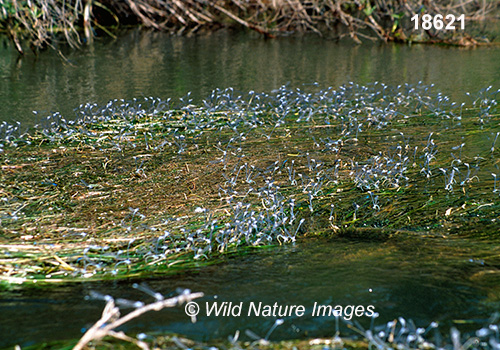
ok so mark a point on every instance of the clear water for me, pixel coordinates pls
(422, 279)
(155, 64)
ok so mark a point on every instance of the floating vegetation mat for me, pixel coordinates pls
(149, 186)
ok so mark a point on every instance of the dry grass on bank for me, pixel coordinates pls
(42, 21)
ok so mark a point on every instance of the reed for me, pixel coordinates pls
(45, 22)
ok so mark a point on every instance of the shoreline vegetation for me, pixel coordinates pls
(45, 23)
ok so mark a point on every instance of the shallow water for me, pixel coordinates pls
(156, 64)
(431, 279)
(427, 280)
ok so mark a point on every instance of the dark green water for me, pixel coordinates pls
(421, 279)
(155, 64)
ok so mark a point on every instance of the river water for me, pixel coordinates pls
(421, 279)
(155, 64)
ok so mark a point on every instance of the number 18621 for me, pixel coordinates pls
(437, 22)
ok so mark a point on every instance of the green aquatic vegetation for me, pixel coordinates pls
(143, 187)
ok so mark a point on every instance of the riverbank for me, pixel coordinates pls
(41, 24)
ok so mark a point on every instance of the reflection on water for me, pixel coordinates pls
(156, 64)
(425, 279)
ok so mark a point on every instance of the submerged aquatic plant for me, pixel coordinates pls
(112, 319)
(141, 186)
(399, 333)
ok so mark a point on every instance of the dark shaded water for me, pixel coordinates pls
(422, 279)
(155, 64)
